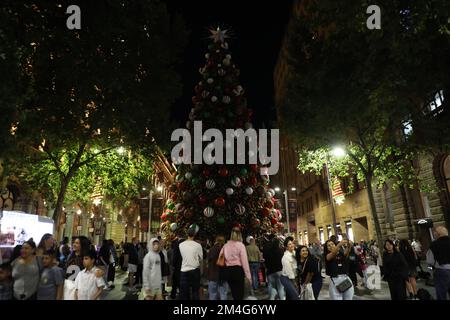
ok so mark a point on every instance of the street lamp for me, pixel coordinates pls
(285, 194)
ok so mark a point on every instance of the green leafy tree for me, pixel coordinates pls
(120, 176)
(354, 87)
(109, 84)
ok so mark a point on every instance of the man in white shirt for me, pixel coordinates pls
(87, 285)
(192, 256)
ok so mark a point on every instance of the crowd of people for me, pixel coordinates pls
(197, 270)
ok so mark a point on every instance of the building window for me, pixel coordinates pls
(407, 128)
(348, 226)
(338, 228)
(436, 104)
(309, 204)
(329, 232)
(321, 235)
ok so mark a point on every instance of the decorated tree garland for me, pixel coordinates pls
(219, 197)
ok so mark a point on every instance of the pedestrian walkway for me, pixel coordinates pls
(121, 292)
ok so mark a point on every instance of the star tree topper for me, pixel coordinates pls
(218, 35)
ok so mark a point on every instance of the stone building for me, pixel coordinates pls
(400, 211)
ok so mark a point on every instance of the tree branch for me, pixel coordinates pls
(55, 161)
(358, 162)
(94, 156)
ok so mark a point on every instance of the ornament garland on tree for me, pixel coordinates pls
(219, 197)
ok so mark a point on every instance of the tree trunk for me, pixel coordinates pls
(59, 203)
(373, 210)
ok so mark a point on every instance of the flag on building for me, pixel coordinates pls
(338, 194)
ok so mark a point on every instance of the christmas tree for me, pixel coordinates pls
(218, 197)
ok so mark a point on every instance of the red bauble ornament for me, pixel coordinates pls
(194, 100)
(256, 222)
(274, 221)
(164, 216)
(188, 214)
(280, 225)
(265, 212)
(223, 172)
(202, 200)
(220, 202)
(210, 63)
(252, 180)
(254, 167)
(205, 172)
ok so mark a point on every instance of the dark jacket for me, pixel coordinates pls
(213, 269)
(176, 254)
(441, 250)
(395, 267)
(133, 256)
(272, 254)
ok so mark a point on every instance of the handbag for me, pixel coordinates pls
(307, 292)
(344, 285)
(221, 260)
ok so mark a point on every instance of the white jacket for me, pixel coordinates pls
(289, 265)
(151, 273)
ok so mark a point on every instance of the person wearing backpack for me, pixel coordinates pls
(26, 271)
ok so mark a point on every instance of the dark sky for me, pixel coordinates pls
(257, 29)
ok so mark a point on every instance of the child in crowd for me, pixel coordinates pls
(6, 288)
(51, 285)
(87, 285)
(152, 273)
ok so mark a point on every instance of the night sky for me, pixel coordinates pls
(257, 29)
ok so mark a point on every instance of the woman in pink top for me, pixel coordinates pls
(236, 264)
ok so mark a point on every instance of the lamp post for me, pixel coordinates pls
(287, 211)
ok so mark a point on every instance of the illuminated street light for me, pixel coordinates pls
(277, 189)
(97, 201)
(293, 189)
(159, 188)
(121, 150)
(338, 152)
(144, 188)
(78, 211)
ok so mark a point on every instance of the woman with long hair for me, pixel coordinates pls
(337, 268)
(26, 271)
(74, 265)
(309, 270)
(47, 243)
(411, 259)
(395, 271)
(217, 287)
(289, 272)
(236, 264)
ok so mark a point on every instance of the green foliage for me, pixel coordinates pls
(120, 177)
(109, 84)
